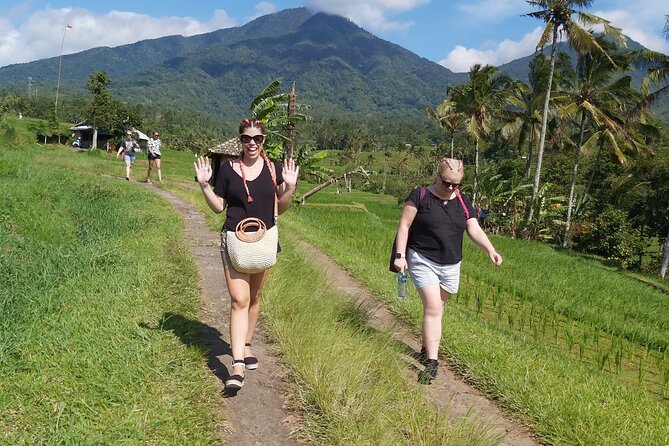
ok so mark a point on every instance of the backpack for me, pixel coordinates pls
(421, 195)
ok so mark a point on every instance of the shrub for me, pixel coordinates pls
(611, 236)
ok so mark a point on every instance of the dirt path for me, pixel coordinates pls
(449, 391)
(255, 415)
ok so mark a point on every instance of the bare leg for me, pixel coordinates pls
(148, 173)
(245, 298)
(128, 166)
(257, 283)
(160, 175)
(434, 298)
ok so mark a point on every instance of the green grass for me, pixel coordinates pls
(89, 267)
(567, 401)
(518, 341)
(350, 379)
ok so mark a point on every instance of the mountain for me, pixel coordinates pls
(128, 60)
(519, 68)
(338, 67)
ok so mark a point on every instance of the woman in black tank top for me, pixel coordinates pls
(247, 188)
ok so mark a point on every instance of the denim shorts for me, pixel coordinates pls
(224, 249)
(129, 158)
(425, 272)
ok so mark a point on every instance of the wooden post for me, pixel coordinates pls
(290, 127)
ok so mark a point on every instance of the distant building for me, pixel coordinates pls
(87, 132)
(230, 149)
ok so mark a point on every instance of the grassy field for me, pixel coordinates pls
(574, 348)
(577, 349)
(89, 266)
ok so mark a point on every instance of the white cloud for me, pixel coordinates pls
(643, 28)
(494, 10)
(41, 34)
(261, 9)
(460, 59)
(371, 14)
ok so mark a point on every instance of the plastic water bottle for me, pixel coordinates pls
(401, 285)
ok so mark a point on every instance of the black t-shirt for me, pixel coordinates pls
(229, 186)
(437, 229)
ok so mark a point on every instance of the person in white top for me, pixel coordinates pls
(154, 157)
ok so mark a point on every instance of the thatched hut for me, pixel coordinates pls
(230, 149)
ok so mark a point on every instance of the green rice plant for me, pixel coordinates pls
(602, 359)
(521, 317)
(618, 358)
(546, 386)
(466, 297)
(595, 336)
(569, 337)
(556, 327)
(583, 344)
(499, 309)
(480, 301)
(510, 317)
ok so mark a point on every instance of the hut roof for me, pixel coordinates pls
(230, 148)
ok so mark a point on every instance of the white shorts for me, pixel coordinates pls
(425, 272)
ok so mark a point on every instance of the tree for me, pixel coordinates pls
(448, 119)
(557, 14)
(599, 101)
(100, 112)
(481, 99)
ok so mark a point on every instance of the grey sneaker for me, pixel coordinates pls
(430, 372)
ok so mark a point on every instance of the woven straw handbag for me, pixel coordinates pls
(254, 251)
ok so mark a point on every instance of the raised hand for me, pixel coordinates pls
(203, 170)
(290, 173)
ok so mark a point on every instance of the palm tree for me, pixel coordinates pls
(482, 98)
(599, 101)
(448, 119)
(657, 65)
(559, 22)
(523, 121)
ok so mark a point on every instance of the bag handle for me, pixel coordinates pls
(250, 222)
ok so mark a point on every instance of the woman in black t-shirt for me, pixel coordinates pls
(246, 187)
(429, 243)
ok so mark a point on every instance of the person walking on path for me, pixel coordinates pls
(129, 147)
(247, 187)
(429, 244)
(154, 157)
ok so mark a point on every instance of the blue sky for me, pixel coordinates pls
(454, 33)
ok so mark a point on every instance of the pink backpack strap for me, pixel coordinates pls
(462, 203)
(423, 191)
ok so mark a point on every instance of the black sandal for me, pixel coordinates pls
(235, 381)
(251, 362)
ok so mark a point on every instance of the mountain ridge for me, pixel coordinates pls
(338, 67)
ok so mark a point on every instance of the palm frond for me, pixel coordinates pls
(546, 36)
(272, 89)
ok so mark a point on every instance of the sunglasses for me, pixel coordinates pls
(449, 185)
(258, 139)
